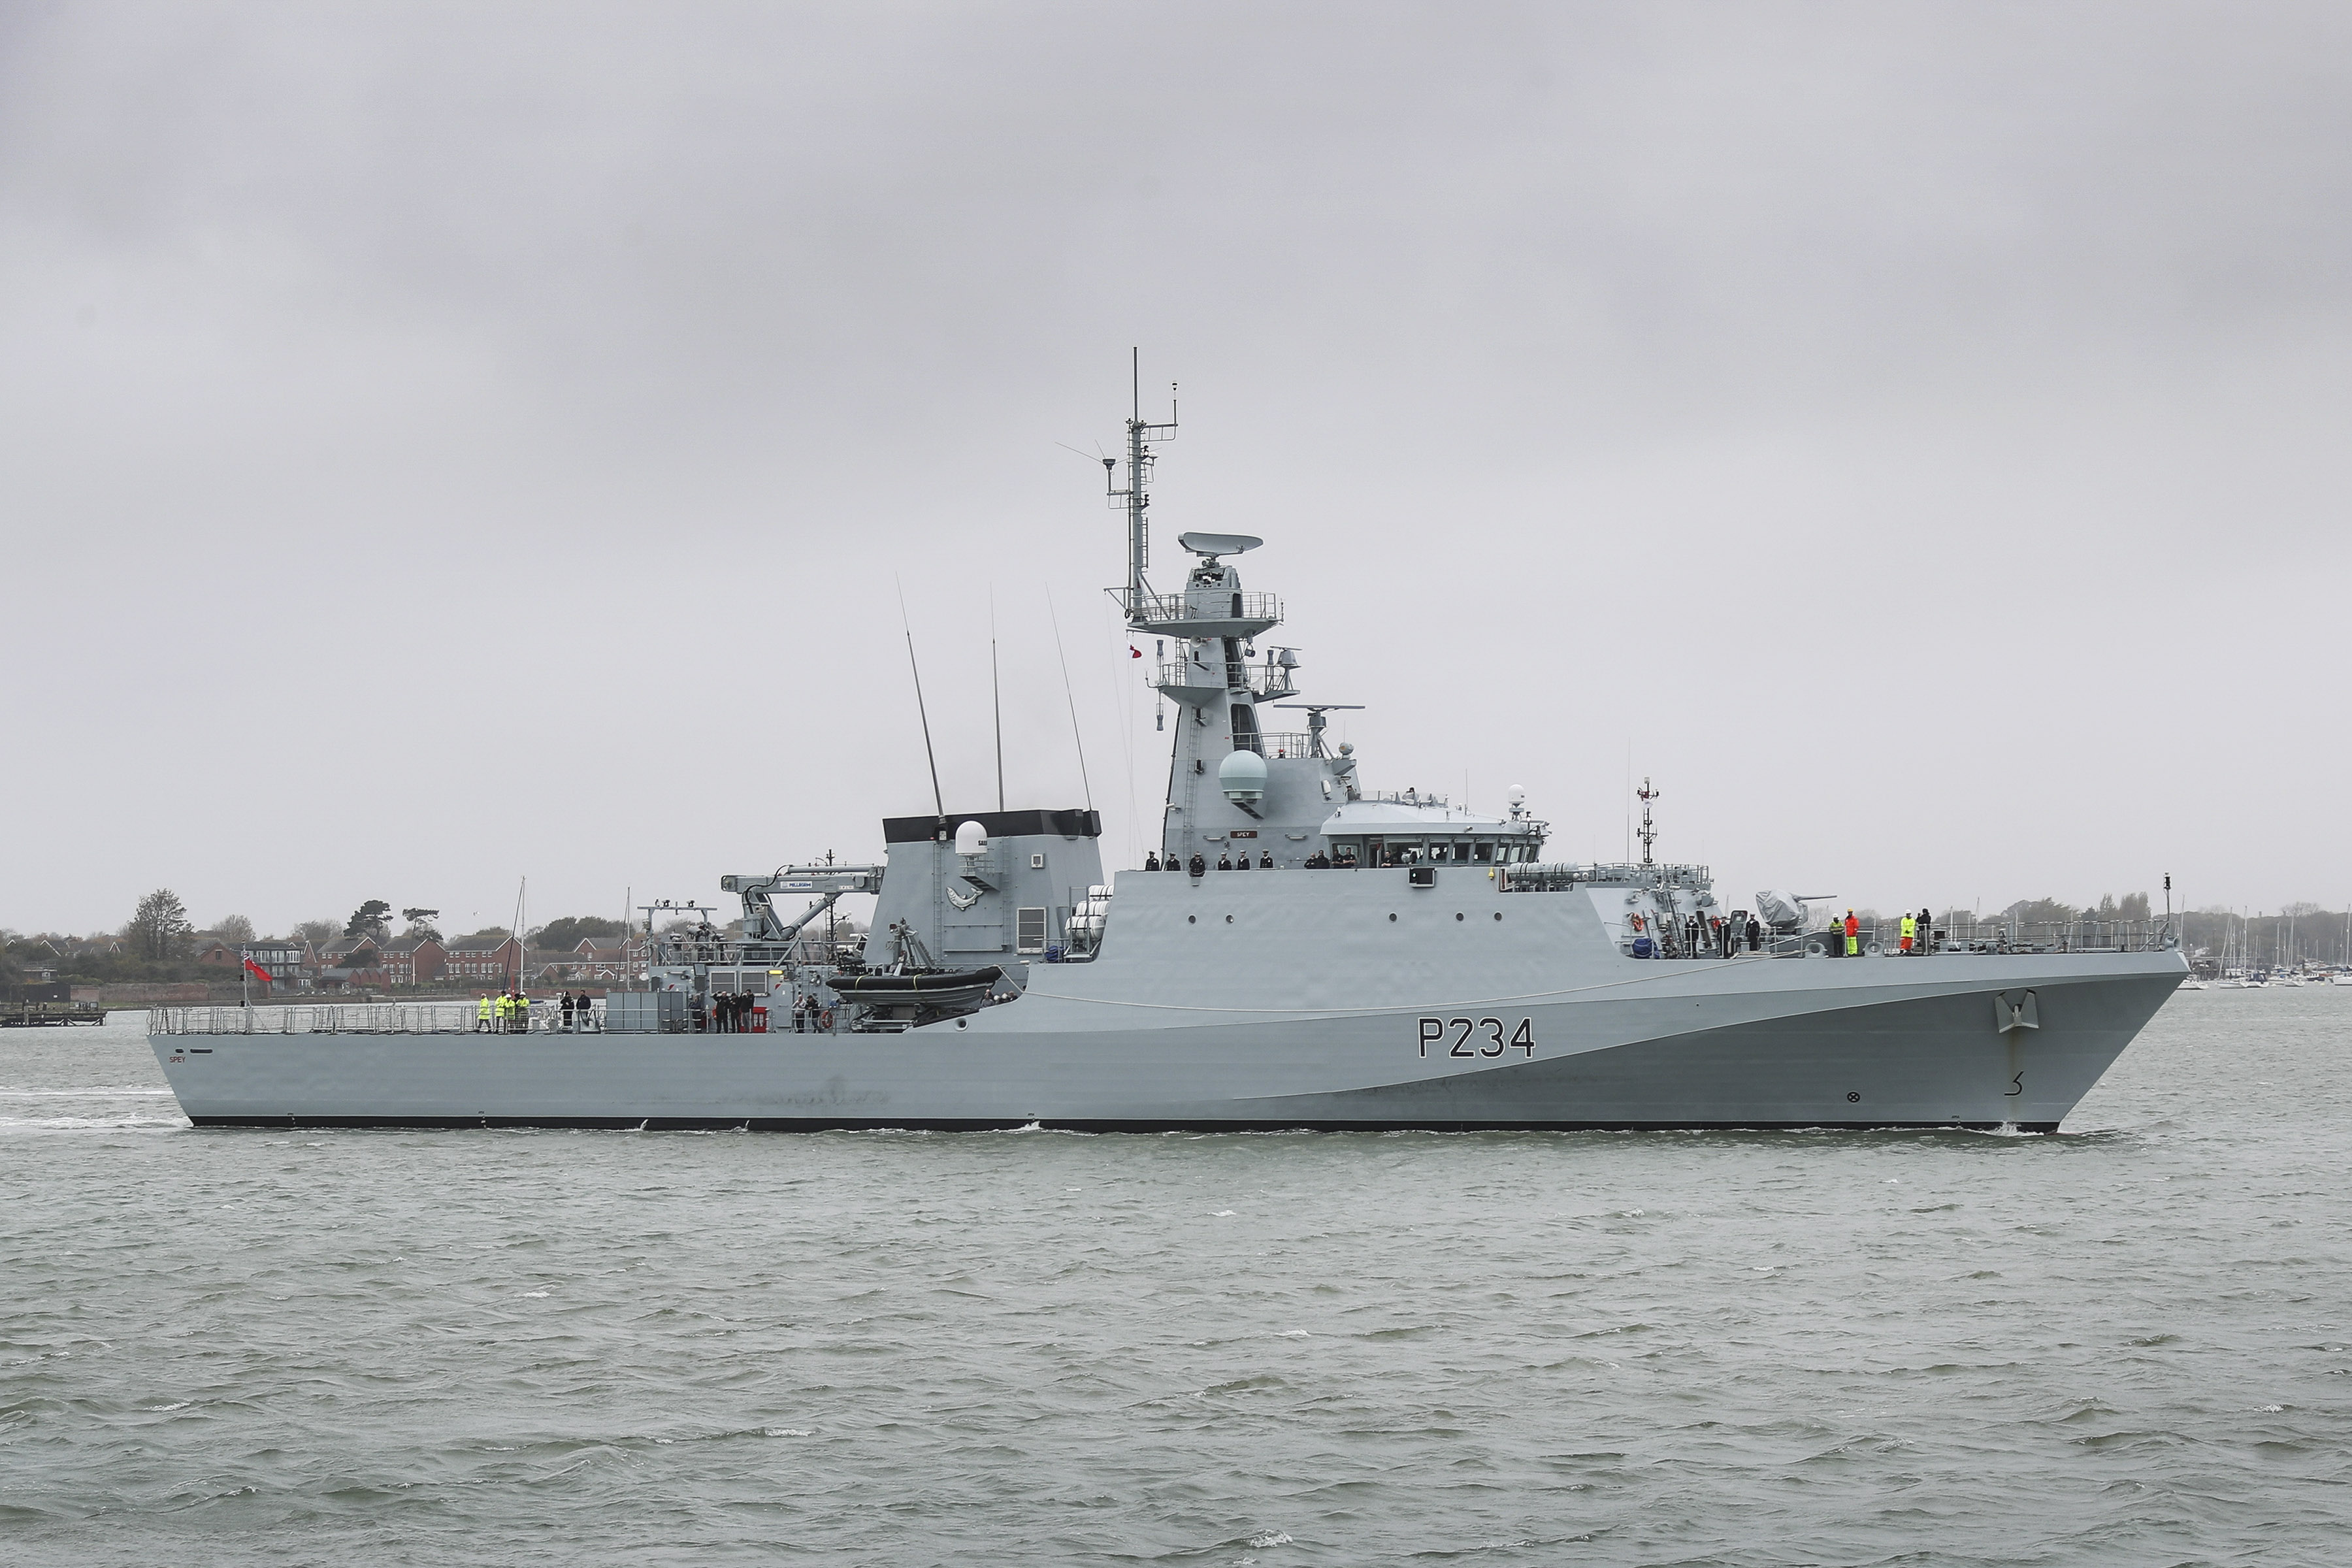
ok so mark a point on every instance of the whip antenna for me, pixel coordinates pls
(1078, 739)
(996, 699)
(929, 756)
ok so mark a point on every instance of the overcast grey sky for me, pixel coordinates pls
(442, 444)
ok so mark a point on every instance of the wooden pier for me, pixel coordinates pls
(49, 1015)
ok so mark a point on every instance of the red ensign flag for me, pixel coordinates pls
(258, 972)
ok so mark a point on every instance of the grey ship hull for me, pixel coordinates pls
(1325, 1007)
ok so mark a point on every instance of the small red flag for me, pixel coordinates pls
(1133, 651)
(258, 972)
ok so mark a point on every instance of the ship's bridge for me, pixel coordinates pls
(1410, 829)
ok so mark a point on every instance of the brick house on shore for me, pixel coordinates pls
(610, 957)
(482, 959)
(348, 953)
(291, 963)
(414, 960)
(350, 962)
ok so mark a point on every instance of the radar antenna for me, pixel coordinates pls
(1649, 834)
(1315, 712)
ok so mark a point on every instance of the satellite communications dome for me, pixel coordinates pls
(972, 840)
(1243, 778)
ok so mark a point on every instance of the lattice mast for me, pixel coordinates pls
(1137, 497)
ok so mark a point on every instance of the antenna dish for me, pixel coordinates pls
(1215, 544)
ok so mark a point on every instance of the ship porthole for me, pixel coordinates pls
(1229, 920)
(1191, 919)
(1499, 914)
(959, 1023)
(1392, 917)
(1457, 914)
(1852, 1097)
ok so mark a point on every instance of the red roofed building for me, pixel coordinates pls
(485, 959)
(413, 961)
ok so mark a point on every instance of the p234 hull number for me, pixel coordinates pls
(1475, 1036)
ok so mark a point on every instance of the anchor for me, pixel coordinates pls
(2008, 1016)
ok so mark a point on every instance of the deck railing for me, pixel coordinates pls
(1880, 937)
(1951, 931)
(1168, 609)
(1189, 681)
(1962, 934)
(355, 1018)
(1560, 876)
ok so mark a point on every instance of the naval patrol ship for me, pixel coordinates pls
(1300, 951)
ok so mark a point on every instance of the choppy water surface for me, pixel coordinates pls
(2129, 1344)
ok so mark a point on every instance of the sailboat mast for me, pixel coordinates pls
(522, 886)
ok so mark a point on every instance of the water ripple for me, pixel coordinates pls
(2127, 1344)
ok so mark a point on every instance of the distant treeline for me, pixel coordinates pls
(159, 942)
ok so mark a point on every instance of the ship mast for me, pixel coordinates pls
(1649, 834)
(1136, 498)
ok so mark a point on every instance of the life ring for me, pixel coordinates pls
(1637, 922)
(825, 1020)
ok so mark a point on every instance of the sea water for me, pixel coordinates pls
(2130, 1342)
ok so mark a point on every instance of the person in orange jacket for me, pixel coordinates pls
(1852, 935)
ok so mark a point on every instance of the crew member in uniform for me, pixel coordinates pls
(1910, 928)
(482, 1014)
(1852, 935)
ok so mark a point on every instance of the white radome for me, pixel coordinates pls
(1242, 777)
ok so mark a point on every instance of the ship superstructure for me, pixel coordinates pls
(1298, 950)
